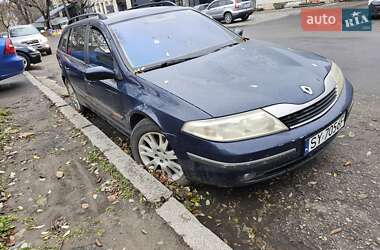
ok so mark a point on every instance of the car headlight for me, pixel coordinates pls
(235, 127)
(43, 40)
(336, 76)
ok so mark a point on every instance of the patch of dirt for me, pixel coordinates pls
(63, 194)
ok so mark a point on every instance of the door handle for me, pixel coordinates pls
(112, 91)
(91, 83)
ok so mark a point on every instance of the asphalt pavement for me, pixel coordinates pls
(332, 202)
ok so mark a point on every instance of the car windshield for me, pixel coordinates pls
(23, 31)
(160, 38)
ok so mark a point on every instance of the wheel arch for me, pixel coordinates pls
(138, 115)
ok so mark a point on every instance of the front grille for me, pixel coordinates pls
(32, 42)
(307, 114)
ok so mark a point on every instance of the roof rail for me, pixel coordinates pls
(84, 16)
(155, 4)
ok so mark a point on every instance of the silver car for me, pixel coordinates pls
(30, 36)
(229, 10)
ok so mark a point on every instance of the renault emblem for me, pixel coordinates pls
(307, 89)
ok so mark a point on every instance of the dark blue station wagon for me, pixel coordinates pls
(200, 102)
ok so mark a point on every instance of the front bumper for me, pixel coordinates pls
(35, 57)
(250, 161)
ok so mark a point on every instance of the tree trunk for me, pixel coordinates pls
(47, 15)
(66, 10)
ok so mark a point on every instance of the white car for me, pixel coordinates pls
(29, 35)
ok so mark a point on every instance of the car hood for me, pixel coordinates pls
(244, 77)
(21, 39)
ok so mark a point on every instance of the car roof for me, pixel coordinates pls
(21, 26)
(131, 14)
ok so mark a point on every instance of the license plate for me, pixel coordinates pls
(318, 139)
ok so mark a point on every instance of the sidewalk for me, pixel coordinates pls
(59, 190)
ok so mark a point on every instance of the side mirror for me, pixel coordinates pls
(238, 31)
(99, 73)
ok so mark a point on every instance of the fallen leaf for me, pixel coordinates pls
(38, 227)
(363, 196)
(85, 205)
(25, 135)
(98, 243)
(59, 174)
(335, 231)
(143, 231)
(347, 164)
(111, 198)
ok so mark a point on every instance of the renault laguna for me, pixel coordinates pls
(200, 102)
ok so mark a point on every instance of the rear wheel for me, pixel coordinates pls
(245, 18)
(25, 61)
(73, 98)
(228, 18)
(151, 148)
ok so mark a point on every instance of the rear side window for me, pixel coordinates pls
(98, 51)
(214, 5)
(63, 42)
(76, 47)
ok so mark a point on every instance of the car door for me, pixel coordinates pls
(75, 65)
(104, 93)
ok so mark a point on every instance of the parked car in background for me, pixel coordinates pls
(203, 104)
(374, 8)
(201, 7)
(229, 10)
(28, 54)
(29, 35)
(10, 63)
(3, 34)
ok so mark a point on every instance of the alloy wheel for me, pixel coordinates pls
(25, 62)
(228, 18)
(156, 154)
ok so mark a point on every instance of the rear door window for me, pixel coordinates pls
(63, 42)
(99, 52)
(76, 45)
(214, 5)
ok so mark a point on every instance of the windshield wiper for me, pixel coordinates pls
(225, 46)
(166, 63)
(179, 60)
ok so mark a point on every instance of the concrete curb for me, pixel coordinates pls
(185, 224)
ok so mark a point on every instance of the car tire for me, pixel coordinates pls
(49, 52)
(73, 98)
(245, 18)
(25, 60)
(155, 150)
(228, 18)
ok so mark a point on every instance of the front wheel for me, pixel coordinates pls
(228, 18)
(151, 148)
(25, 60)
(49, 52)
(245, 18)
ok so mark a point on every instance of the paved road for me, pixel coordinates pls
(334, 201)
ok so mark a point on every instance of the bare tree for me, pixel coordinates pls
(22, 10)
(7, 17)
(43, 6)
(82, 6)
